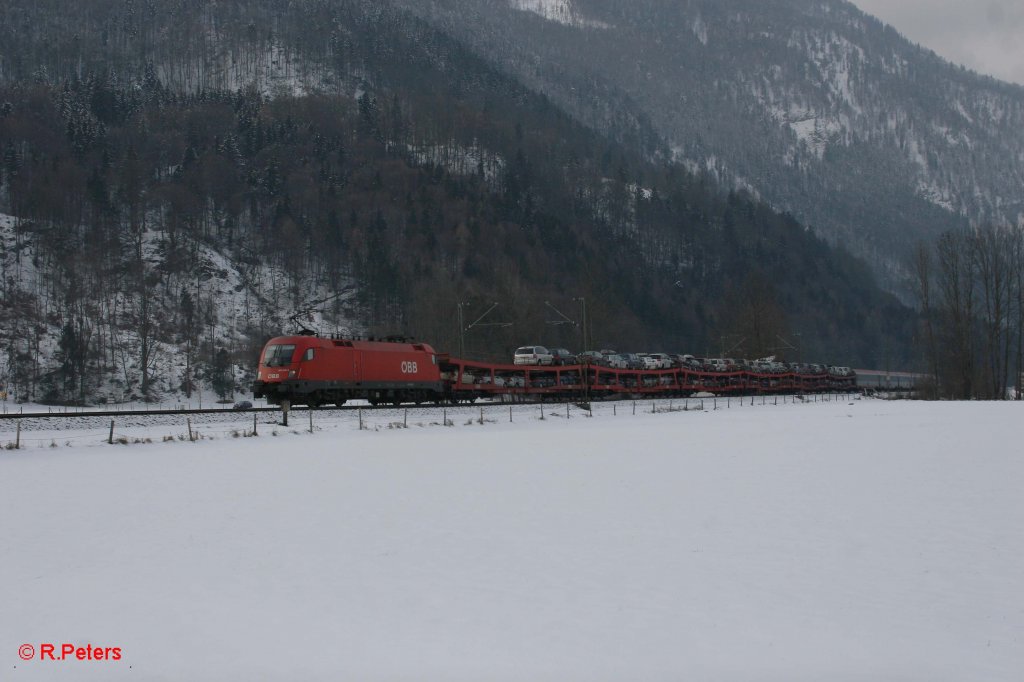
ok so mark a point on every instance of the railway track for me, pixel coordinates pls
(130, 413)
(241, 413)
(97, 421)
(50, 429)
(323, 409)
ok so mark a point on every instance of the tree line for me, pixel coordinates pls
(971, 293)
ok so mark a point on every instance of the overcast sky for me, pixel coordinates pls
(984, 35)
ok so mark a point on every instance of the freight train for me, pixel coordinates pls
(314, 371)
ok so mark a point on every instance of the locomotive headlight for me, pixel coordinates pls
(291, 374)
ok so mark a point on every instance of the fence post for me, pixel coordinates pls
(311, 420)
(110, 438)
(405, 419)
(17, 437)
(542, 411)
(188, 422)
(509, 414)
(254, 426)
(361, 419)
(634, 408)
(567, 410)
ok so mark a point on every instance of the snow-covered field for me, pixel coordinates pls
(842, 540)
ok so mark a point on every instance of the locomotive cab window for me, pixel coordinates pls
(308, 355)
(278, 355)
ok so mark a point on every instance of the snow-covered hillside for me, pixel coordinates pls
(560, 11)
(847, 540)
(232, 297)
(814, 107)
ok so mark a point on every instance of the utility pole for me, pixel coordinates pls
(583, 322)
(462, 330)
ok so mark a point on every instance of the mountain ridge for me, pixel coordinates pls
(820, 109)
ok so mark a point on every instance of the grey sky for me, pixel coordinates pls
(984, 35)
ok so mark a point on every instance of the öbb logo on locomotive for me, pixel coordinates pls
(311, 370)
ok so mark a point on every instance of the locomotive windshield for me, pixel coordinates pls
(278, 355)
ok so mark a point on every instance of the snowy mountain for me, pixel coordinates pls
(162, 161)
(816, 107)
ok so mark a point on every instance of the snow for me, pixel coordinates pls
(239, 293)
(461, 160)
(559, 11)
(271, 69)
(932, 192)
(700, 29)
(840, 540)
(645, 193)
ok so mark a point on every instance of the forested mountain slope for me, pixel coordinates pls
(819, 109)
(181, 177)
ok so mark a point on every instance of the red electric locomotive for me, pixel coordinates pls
(314, 371)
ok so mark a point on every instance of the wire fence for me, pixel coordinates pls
(377, 419)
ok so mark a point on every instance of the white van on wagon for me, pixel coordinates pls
(532, 355)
